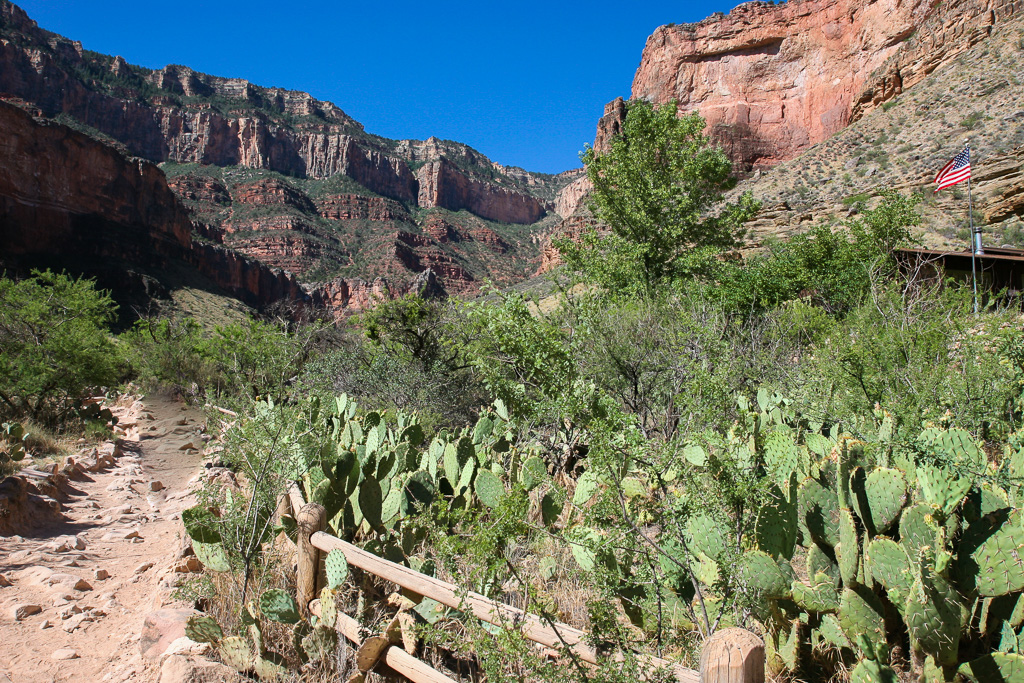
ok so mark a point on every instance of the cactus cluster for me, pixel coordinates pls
(927, 555)
(372, 471)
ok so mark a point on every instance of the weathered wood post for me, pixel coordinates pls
(732, 655)
(311, 519)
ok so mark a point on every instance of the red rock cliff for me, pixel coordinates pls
(177, 114)
(772, 80)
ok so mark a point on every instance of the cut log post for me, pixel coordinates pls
(732, 655)
(311, 519)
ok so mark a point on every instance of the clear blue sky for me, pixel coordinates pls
(523, 82)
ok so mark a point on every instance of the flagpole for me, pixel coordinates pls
(975, 236)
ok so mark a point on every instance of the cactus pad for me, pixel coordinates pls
(998, 666)
(586, 487)
(371, 502)
(550, 508)
(328, 606)
(868, 671)
(932, 612)
(420, 488)
(708, 534)
(818, 562)
(533, 473)
(848, 550)
(212, 555)
(819, 508)
(860, 613)
(780, 456)
(236, 653)
(890, 566)
(917, 529)
(466, 477)
(775, 529)
(489, 488)
(832, 632)
(336, 568)
(320, 643)
(270, 666)
(1000, 559)
(203, 629)
(277, 605)
(761, 574)
(822, 596)
(885, 492)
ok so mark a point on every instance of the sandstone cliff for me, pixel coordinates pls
(177, 114)
(773, 80)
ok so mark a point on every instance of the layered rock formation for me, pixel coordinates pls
(177, 114)
(773, 80)
(69, 201)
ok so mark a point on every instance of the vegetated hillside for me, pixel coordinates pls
(322, 174)
(904, 143)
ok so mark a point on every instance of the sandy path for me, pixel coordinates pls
(121, 525)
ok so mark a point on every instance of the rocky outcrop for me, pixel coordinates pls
(61, 190)
(772, 80)
(442, 184)
(570, 196)
(270, 192)
(347, 206)
(610, 124)
(571, 228)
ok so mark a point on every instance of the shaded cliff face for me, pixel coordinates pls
(176, 114)
(69, 201)
(773, 80)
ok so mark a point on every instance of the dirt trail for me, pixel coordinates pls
(88, 627)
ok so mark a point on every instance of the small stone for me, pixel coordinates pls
(4, 581)
(45, 625)
(101, 574)
(144, 567)
(156, 485)
(115, 487)
(64, 654)
(19, 612)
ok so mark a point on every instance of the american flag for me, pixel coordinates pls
(957, 170)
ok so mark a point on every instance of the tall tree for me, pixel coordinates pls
(659, 191)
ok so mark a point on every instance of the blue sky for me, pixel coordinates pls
(522, 82)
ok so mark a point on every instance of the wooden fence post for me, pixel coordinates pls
(732, 655)
(311, 519)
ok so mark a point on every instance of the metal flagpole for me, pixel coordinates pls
(975, 236)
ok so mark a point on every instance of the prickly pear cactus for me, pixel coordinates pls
(489, 488)
(279, 606)
(336, 567)
(236, 653)
(203, 629)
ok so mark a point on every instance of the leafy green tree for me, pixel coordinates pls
(659, 190)
(54, 345)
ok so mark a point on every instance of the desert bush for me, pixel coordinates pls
(54, 346)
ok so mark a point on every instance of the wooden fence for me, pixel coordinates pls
(731, 655)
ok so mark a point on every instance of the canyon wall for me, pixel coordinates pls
(70, 201)
(773, 80)
(177, 114)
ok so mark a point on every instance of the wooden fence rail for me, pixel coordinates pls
(730, 656)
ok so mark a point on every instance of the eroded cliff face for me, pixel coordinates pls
(180, 115)
(441, 184)
(773, 80)
(70, 201)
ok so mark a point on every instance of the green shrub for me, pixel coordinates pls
(54, 345)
